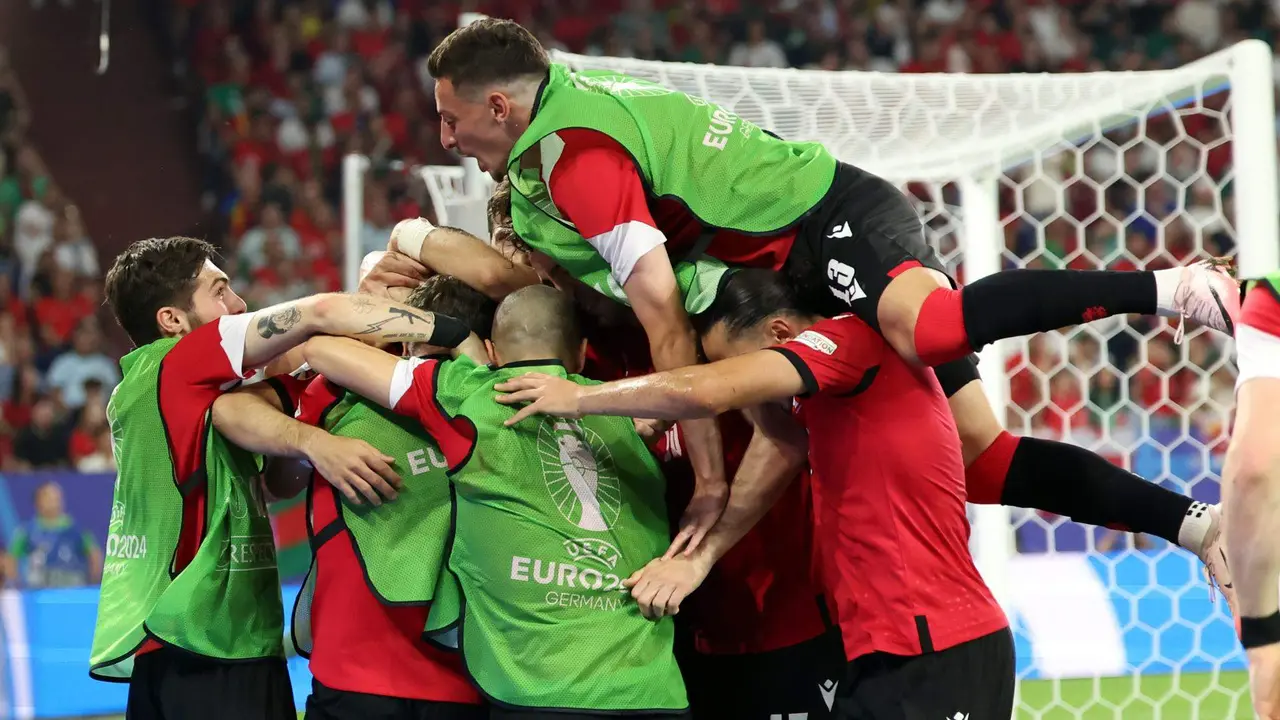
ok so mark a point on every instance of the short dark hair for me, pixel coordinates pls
(151, 274)
(488, 51)
(447, 295)
(746, 299)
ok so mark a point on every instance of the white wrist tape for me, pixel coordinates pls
(410, 234)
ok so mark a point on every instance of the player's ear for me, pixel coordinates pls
(491, 353)
(172, 322)
(780, 330)
(499, 105)
(582, 356)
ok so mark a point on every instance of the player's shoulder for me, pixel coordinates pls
(837, 335)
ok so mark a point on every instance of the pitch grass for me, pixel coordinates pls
(1202, 696)
(1150, 697)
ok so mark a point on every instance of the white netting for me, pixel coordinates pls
(1100, 171)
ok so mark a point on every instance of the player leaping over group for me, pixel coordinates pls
(646, 194)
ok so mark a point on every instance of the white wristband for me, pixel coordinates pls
(410, 234)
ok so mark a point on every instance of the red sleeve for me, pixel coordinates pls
(315, 400)
(595, 185)
(838, 356)
(413, 394)
(1261, 311)
(192, 375)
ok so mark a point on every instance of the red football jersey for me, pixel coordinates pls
(762, 595)
(360, 644)
(888, 470)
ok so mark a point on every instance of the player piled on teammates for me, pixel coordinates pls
(782, 675)
(360, 617)
(645, 194)
(762, 644)
(550, 517)
(923, 636)
(191, 615)
(1251, 490)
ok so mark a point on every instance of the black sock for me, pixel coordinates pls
(1073, 482)
(1023, 302)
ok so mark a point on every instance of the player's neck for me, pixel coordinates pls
(531, 355)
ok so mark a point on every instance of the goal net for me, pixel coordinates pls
(1097, 171)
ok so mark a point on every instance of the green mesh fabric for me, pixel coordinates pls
(400, 544)
(551, 516)
(725, 169)
(226, 604)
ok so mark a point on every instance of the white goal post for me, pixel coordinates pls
(1097, 170)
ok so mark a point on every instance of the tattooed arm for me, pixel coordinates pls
(279, 328)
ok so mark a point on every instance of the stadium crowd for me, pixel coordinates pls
(289, 86)
(54, 374)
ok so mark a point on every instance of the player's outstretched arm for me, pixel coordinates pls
(254, 419)
(450, 251)
(701, 391)
(775, 456)
(654, 295)
(355, 366)
(278, 328)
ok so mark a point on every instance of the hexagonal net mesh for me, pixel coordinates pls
(1115, 171)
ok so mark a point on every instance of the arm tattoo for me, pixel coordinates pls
(361, 305)
(279, 322)
(395, 313)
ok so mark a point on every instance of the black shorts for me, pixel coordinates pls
(325, 703)
(509, 714)
(170, 684)
(796, 681)
(971, 680)
(848, 248)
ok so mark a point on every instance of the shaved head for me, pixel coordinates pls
(537, 322)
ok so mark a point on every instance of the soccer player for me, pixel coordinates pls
(922, 634)
(1251, 490)
(762, 644)
(623, 183)
(360, 617)
(190, 611)
(550, 516)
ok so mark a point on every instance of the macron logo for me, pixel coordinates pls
(841, 231)
(959, 716)
(817, 341)
(828, 690)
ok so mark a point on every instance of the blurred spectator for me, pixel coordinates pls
(73, 250)
(34, 236)
(757, 50)
(51, 550)
(85, 446)
(85, 362)
(42, 444)
(378, 224)
(253, 255)
(58, 313)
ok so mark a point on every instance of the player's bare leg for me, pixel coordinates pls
(928, 322)
(1001, 469)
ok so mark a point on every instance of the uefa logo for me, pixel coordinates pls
(578, 470)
